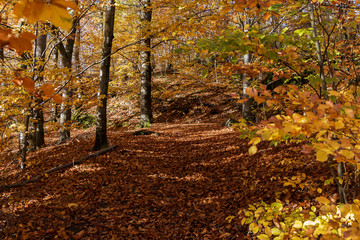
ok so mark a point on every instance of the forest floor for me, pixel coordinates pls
(181, 184)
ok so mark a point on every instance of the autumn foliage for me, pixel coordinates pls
(291, 68)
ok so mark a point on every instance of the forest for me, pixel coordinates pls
(179, 119)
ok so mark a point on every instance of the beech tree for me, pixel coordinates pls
(101, 119)
(146, 116)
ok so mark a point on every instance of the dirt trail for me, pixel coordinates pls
(182, 184)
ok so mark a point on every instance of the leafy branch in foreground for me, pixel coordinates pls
(276, 221)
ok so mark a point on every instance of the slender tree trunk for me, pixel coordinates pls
(40, 47)
(145, 64)
(246, 106)
(23, 139)
(101, 133)
(66, 53)
(318, 51)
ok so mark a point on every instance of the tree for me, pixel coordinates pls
(38, 137)
(66, 54)
(101, 119)
(146, 116)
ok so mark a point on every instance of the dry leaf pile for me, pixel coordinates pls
(182, 184)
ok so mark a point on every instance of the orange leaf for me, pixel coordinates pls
(349, 112)
(5, 34)
(57, 98)
(28, 84)
(252, 4)
(251, 92)
(20, 44)
(259, 99)
(64, 4)
(267, 16)
(48, 89)
(28, 36)
(17, 82)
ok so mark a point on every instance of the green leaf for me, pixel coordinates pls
(275, 7)
(205, 73)
(178, 50)
(272, 55)
(331, 80)
(234, 60)
(284, 30)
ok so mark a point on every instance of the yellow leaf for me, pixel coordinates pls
(297, 224)
(252, 150)
(75, 205)
(322, 200)
(334, 93)
(58, 16)
(321, 156)
(280, 37)
(319, 190)
(288, 184)
(263, 237)
(275, 231)
(55, 12)
(347, 153)
(341, 181)
(28, 9)
(339, 124)
(255, 141)
(229, 218)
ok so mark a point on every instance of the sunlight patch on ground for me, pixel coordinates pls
(208, 200)
(86, 168)
(194, 177)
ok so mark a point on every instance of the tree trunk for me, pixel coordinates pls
(318, 51)
(246, 106)
(146, 116)
(66, 53)
(40, 47)
(101, 134)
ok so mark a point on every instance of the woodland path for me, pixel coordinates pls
(182, 184)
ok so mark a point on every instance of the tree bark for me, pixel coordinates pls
(246, 106)
(39, 55)
(66, 53)
(318, 51)
(146, 116)
(101, 118)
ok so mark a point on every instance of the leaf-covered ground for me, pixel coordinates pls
(182, 184)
